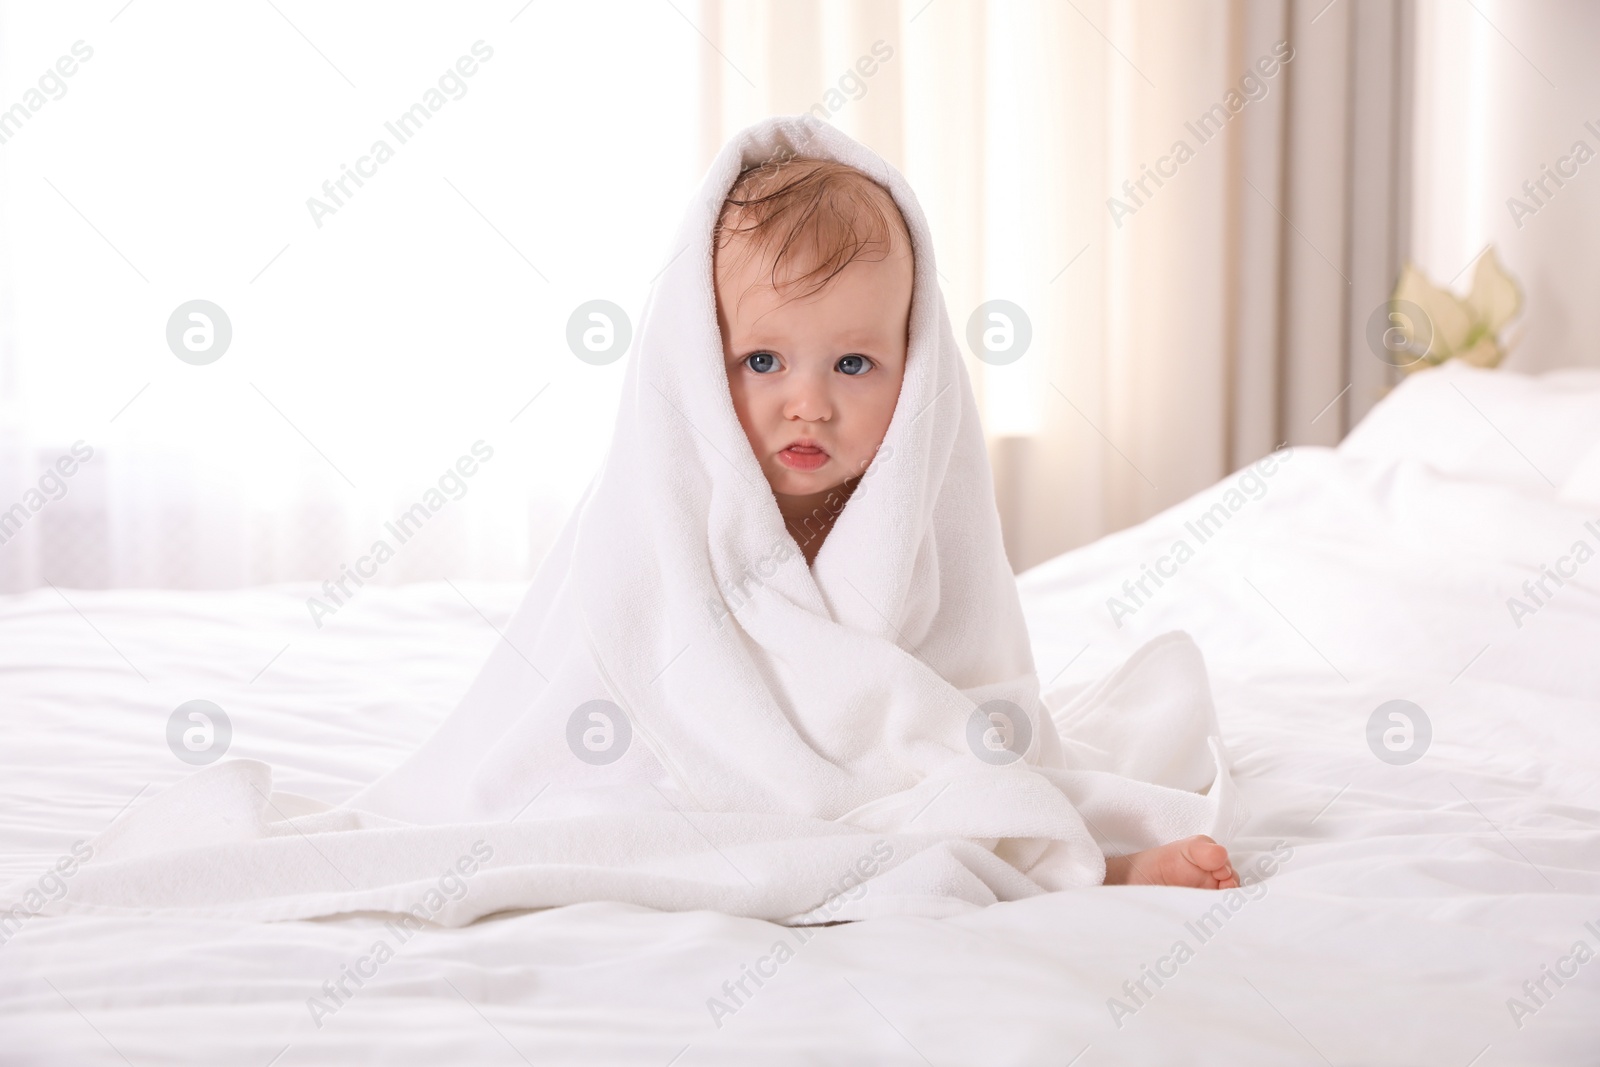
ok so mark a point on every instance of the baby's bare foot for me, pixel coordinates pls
(1197, 862)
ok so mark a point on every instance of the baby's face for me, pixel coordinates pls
(824, 369)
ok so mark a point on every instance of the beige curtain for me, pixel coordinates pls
(1182, 324)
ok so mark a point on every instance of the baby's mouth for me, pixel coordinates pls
(803, 457)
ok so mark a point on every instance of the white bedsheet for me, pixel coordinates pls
(1408, 904)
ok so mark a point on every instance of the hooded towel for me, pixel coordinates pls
(683, 714)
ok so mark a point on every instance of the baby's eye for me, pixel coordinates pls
(855, 366)
(767, 361)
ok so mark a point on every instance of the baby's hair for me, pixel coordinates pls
(820, 211)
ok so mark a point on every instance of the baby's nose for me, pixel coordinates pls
(808, 400)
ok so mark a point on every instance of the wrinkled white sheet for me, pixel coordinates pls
(1408, 904)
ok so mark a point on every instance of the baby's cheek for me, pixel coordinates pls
(742, 404)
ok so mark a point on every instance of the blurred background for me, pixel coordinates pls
(1190, 307)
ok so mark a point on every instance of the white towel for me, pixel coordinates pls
(683, 714)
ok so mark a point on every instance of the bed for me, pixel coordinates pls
(1430, 889)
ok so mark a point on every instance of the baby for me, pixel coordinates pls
(812, 263)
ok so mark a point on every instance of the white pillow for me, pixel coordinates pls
(1583, 485)
(1487, 425)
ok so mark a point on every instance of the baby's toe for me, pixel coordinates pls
(1206, 854)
